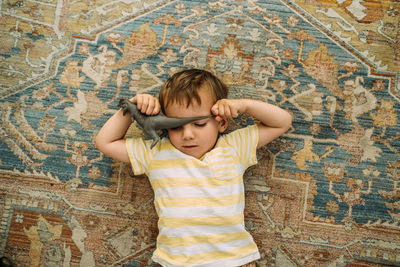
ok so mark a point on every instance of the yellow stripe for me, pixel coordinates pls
(210, 239)
(139, 153)
(166, 145)
(173, 163)
(225, 168)
(197, 221)
(228, 176)
(207, 256)
(190, 163)
(192, 182)
(131, 145)
(199, 201)
(237, 143)
(216, 157)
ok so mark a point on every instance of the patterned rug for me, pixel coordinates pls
(325, 194)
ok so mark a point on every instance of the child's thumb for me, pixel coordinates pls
(214, 109)
(218, 118)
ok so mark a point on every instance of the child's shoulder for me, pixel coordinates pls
(246, 134)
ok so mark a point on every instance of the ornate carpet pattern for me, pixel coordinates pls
(324, 194)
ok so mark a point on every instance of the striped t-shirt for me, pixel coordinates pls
(199, 202)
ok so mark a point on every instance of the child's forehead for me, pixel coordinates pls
(182, 107)
(204, 93)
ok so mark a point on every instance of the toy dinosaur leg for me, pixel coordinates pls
(154, 136)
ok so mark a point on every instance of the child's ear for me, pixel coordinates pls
(222, 125)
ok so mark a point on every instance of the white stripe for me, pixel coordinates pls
(170, 154)
(189, 212)
(201, 230)
(190, 191)
(226, 177)
(180, 173)
(204, 247)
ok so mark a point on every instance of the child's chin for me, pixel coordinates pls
(194, 154)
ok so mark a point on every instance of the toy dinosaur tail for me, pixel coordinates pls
(168, 122)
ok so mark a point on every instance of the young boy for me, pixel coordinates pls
(197, 172)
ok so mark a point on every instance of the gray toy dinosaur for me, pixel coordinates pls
(150, 124)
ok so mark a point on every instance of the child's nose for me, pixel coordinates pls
(187, 132)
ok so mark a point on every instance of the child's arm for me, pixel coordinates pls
(110, 139)
(274, 121)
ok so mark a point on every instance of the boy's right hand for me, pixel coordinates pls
(146, 103)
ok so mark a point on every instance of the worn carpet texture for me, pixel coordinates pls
(324, 194)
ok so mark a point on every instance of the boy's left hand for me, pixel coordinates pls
(228, 108)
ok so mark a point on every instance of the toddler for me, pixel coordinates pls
(197, 171)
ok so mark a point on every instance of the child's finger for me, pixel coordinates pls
(234, 113)
(157, 107)
(150, 107)
(235, 108)
(142, 104)
(227, 112)
(153, 106)
(133, 100)
(214, 109)
(221, 110)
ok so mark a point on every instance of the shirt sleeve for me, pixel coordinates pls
(245, 142)
(139, 154)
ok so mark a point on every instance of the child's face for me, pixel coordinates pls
(199, 137)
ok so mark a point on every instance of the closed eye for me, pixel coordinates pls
(175, 128)
(197, 124)
(201, 124)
